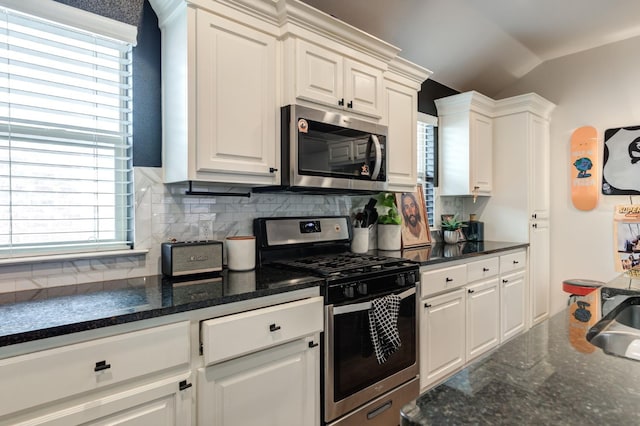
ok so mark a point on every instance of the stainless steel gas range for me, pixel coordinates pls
(366, 378)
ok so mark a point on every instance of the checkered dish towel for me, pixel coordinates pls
(383, 326)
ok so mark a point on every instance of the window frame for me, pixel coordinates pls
(123, 209)
(431, 120)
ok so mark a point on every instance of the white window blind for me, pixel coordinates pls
(427, 161)
(65, 139)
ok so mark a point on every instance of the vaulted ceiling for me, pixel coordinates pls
(486, 45)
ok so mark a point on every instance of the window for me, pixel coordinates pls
(65, 138)
(428, 160)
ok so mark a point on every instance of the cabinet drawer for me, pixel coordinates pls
(40, 377)
(482, 269)
(513, 262)
(443, 279)
(239, 334)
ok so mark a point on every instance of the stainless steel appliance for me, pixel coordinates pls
(191, 257)
(327, 151)
(357, 389)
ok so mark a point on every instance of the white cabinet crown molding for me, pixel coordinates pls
(464, 102)
(297, 17)
(415, 74)
(529, 102)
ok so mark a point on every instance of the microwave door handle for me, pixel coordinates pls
(378, 159)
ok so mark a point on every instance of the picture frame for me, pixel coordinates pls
(415, 223)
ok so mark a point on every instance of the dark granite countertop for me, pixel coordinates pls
(548, 375)
(441, 252)
(37, 314)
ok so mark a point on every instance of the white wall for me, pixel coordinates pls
(601, 88)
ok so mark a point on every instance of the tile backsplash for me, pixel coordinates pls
(163, 212)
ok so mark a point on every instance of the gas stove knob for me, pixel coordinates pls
(362, 289)
(411, 277)
(400, 280)
(348, 292)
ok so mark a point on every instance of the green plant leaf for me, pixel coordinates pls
(390, 214)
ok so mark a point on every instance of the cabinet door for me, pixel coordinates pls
(540, 158)
(319, 74)
(512, 302)
(236, 100)
(402, 162)
(277, 386)
(539, 270)
(163, 403)
(442, 336)
(363, 88)
(481, 176)
(483, 317)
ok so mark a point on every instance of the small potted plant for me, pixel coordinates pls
(389, 229)
(451, 229)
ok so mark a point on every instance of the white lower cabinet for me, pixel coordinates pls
(117, 380)
(163, 403)
(442, 336)
(512, 295)
(262, 367)
(483, 317)
(467, 310)
(278, 386)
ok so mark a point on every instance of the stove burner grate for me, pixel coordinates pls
(328, 265)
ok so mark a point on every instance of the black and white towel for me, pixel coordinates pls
(383, 326)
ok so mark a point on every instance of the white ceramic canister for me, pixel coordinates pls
(241, 252)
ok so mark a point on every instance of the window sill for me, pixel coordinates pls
(72, 256)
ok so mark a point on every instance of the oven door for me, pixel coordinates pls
(352, 373)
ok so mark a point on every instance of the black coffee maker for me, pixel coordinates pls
(474, 229)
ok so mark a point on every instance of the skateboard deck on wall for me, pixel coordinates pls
(584, 168)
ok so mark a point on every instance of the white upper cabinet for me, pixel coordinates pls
(326, 77)
(220, 103)
(401, 85)
(466, 144)
(228, 66)
(236, 99)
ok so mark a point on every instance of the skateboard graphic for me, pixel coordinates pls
(584, 168)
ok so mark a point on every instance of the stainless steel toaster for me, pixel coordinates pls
(191, 257)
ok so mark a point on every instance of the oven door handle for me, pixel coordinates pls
(365, 306)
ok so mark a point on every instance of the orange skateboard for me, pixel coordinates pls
(584, 168)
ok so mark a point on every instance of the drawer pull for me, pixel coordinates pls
(515, 262)
(184, 385)
(485, 269)
(101, 365)
(470, 291)
(448, 279)
(426, 305)
(505, 281)
(274, 327)
(313, 344)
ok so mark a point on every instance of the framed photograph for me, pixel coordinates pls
(621, 159)
(415, 224)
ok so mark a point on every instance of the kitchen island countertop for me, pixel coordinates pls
(548, 375)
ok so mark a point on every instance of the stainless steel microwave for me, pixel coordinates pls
(329, 151)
